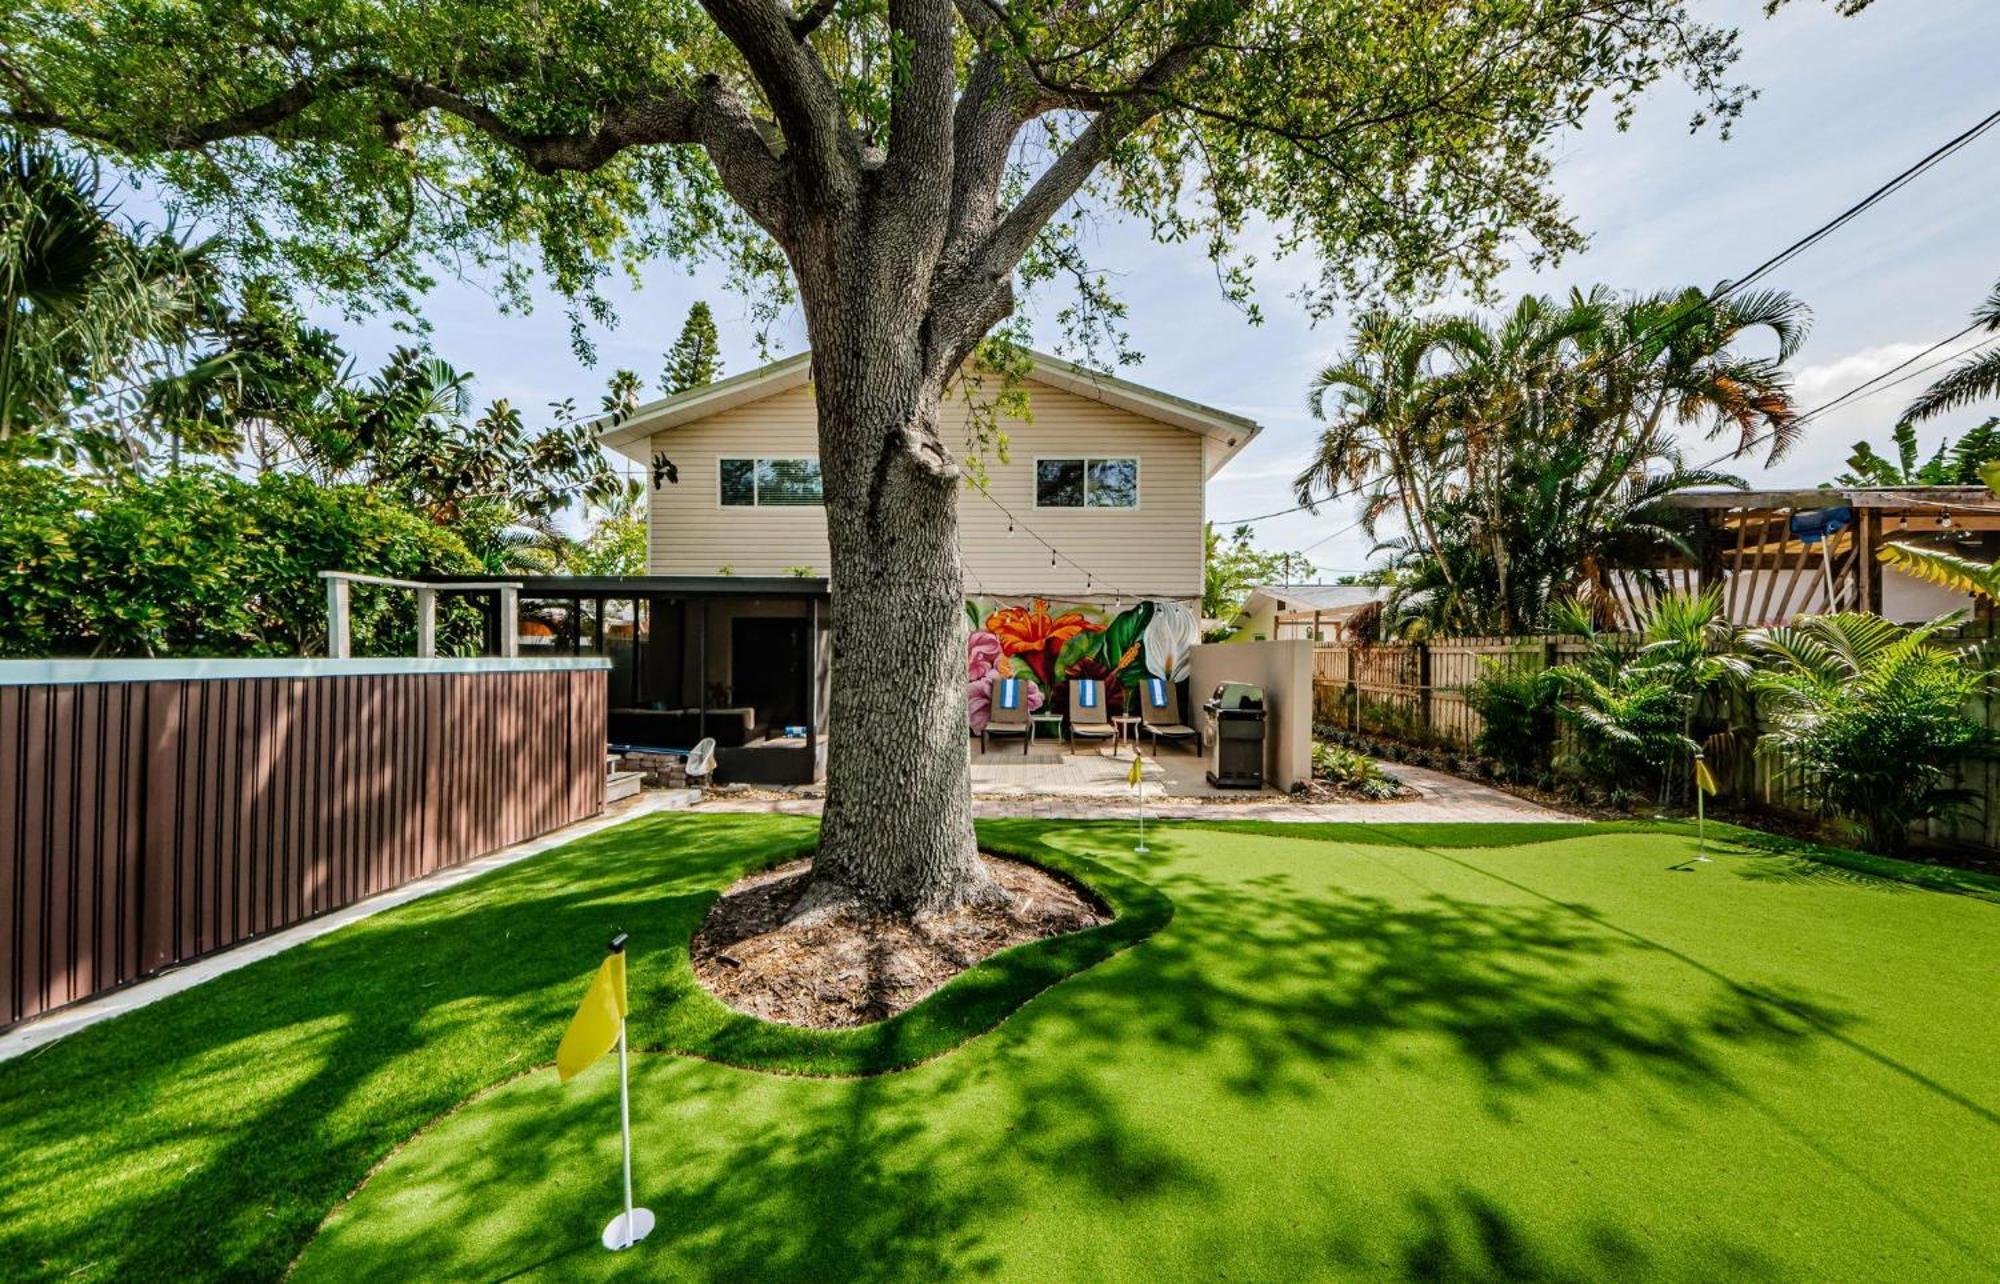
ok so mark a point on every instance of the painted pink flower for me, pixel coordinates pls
(979, 700)
(982, 651)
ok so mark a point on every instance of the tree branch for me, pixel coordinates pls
(823, 151)
(807, 22)
(710, 115)
(1063, 179)
(920, 112)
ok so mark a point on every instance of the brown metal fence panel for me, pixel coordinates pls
(143, 824)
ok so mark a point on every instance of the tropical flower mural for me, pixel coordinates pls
(985, 653)
(1038, 637)
(1049, 645)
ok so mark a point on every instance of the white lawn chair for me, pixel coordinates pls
(701, 760)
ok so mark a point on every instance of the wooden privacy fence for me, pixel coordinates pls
(1416, 692)
(153, 812)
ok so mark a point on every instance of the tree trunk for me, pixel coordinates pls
(897, 832)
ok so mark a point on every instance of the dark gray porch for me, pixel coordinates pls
(741, 659)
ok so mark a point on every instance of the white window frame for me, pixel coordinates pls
(756, 503)
(1138, 484)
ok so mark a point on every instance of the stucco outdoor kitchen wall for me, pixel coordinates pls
(153, 812)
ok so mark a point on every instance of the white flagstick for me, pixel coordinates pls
(1700, 823)
(634, 1224)
(1140, 760)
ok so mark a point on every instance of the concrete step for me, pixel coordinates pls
(621, 784)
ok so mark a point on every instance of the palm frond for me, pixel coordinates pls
(1946, 570)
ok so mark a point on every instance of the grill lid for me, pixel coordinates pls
(1237, 695)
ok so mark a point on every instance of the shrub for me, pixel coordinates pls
(1871, 716)
(1638, 714)
(1350, 770)
(1517, 712)
(203, 563)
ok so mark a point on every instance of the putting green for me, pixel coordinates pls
(1505, 1051)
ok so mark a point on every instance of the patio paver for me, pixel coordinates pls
(1089, 785)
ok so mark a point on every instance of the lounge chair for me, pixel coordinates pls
(1008, 713)
(1160, 713)
(1089, 715)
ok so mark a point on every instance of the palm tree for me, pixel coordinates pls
(85, 301)
(1674, 360)
(1530, 454)
(1871, 716)
(1380, 404)
(1508, 391)
(1977, 378)
(1636, 708)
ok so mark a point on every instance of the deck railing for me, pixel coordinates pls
(152, 812)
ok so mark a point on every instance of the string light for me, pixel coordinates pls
(1056, 556)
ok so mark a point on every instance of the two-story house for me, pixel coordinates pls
(1083, 553)
(1108, 474)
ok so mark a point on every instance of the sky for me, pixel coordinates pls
(1845, 103)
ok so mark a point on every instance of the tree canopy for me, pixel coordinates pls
(353, 145)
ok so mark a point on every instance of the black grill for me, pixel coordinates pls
(1235, 716)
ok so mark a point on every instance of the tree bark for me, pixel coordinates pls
(897, 831)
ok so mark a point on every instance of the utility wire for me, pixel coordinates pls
(1867, 202)
(1862, 392)
(1804, 243)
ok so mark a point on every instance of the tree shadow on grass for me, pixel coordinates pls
(1270, 985)
(207, 1135)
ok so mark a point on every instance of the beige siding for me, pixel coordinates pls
(1154, 550)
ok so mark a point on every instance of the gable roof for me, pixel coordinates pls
(1224, 433)
(1298, 598)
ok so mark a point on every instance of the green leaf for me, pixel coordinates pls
(1119, 636)
(1080, 647)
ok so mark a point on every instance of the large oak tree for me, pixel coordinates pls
(907, 165)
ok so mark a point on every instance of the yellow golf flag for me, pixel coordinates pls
(1704, 779)
(1138, 769)
(594, 1028)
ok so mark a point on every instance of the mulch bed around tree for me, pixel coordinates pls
(850, 968)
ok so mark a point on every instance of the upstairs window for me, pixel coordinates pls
(1086, 483)
(770, 483)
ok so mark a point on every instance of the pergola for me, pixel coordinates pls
(1780, 553)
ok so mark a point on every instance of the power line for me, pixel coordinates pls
(1806, 242)
(1858, 393)
(1866, 203)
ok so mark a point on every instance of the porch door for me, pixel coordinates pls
(767, 662)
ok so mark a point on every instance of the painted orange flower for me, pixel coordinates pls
(1036, 636)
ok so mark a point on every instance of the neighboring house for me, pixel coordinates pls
(1083, 557)
(1110, 473)
(1322, 612)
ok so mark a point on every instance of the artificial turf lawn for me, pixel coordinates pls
(1396, 1050)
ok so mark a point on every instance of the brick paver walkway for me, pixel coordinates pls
(1074, 790)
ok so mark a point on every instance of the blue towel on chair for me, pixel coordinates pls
(1156, 692)
(1086, 693)
(1010, 693)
